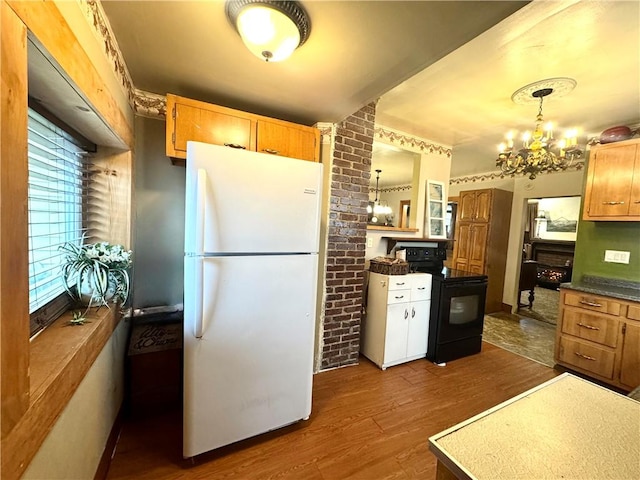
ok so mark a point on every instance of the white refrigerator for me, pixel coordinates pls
(250, 277)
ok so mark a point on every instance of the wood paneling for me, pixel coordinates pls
(14, 287)
(365, 424)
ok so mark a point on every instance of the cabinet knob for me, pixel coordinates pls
(271, 151)
(235, 145)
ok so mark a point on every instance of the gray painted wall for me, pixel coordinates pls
(159, 219)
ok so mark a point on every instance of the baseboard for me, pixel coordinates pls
(109, 448)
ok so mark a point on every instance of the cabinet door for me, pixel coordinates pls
(395, 345)
(482, 211)
(209, 126)
(478, 243)
(287, 140)
(418, 328)
(630, 361)
(634, 201)
(610, 181)
(463, 242)
(466, 206)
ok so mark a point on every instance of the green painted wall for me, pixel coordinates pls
(596, 237)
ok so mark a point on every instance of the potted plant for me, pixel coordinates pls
(96, 273)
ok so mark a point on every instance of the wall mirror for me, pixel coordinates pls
(392, 186)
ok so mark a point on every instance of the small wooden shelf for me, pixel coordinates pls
(392, 241)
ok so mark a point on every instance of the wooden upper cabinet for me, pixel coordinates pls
(475, 205)
(209, 126)
(613, 182)
(296, 141)
(192, 120)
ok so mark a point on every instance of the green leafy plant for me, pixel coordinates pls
(101, 266)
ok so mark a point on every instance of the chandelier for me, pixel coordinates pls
(377, 209)
(539, 153)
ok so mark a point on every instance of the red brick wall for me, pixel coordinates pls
(347, 231)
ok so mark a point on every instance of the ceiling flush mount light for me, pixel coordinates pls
(539, 152)
(270, 29)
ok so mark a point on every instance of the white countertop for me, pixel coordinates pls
(565, 428)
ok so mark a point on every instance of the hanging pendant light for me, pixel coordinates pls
(379, 210)
(270, 29)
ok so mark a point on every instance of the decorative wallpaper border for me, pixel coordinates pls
(399, 188)
(498, 175)
(143, 103)
(414, 142)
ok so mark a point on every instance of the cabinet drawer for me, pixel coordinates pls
(633, 313)
(420, 292)
(596, 328)
(398, 296)
(592, 302)
(399, 282)
(587, 356)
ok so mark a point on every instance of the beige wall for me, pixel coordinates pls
(73, 448)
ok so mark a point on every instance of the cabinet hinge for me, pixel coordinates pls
(173, 112)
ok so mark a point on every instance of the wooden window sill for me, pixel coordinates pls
(60, 357)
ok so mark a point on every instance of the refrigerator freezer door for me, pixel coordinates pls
(250, 202)
(251, 370)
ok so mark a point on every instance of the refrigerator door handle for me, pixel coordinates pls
(201, 194)
(199, 299)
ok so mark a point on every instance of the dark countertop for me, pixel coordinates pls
(622, 289)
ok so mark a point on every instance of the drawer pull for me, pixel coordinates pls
(399, 283)
(413, 312)
(421, 288)
(637, 201)
(271, 151)
(588, 327)
(613, 203)
(406, 313)
(591, 304)
(399, 297)
(586, 357)
(235, 145)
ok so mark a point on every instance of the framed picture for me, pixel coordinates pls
(435, 210)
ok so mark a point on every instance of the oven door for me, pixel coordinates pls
(461, 310)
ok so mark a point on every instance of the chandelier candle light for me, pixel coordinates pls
(537, 153)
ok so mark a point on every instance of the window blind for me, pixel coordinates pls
(57, 187)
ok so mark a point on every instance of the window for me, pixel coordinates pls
(57, 187)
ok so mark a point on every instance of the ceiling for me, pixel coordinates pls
(444, 71)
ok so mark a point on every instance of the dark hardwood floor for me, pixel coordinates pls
(365, 424)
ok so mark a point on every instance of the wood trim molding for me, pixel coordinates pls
(60, 358)
(14, 274)
(65, 48)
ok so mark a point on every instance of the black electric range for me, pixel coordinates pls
(457, 305)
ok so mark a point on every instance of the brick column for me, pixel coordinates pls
(347, 231)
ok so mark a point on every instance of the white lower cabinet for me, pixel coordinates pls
(397, 321)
